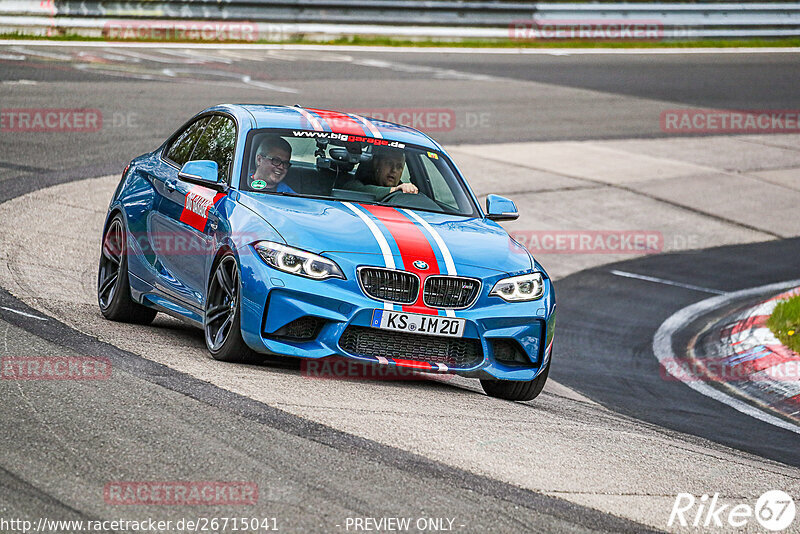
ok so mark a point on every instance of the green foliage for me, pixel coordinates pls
(785, 323)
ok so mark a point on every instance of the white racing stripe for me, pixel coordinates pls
(449, 264)
(662, 348)
(310, 118)
(371, 127)
(448, 258)
(388, 259)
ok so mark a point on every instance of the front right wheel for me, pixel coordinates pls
(515, 390)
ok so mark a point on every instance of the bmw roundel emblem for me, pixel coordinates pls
(421, 265)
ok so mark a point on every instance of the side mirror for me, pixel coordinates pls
(500, 209)
(201, 171)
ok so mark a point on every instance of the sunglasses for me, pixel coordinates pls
(278, 162)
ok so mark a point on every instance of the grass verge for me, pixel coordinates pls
(466, 43)
(785, 322)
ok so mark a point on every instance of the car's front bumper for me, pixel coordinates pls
(328, 314)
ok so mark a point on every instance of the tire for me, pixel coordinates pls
(221, 321)
(514, 390)
(113, 286)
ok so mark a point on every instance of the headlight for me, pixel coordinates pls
(519, 288)
(295, 261)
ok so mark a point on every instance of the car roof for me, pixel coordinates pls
(296, 117)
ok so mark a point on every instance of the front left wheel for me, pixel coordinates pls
(222, 324)
(113, 288)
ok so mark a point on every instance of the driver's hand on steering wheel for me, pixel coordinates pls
(405, 188)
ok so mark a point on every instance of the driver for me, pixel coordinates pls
(272, 164)
(383, 176)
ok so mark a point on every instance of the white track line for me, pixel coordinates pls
(411, 49)
(662, 348)
(13, 57)
(12, 310)
(667, 282)
(39, 53)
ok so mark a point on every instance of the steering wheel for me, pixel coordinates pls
(394, 195)
(410, 200)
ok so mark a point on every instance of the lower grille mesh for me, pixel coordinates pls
(453, 352)
(302, 329)
(507, 351)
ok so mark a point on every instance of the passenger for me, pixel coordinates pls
(272, 164)
(382, 177)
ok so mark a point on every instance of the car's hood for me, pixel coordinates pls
(342, 227)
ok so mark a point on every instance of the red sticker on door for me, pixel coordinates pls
(198, 201)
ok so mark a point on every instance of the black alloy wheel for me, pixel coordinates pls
(113, 287)
(222, 324)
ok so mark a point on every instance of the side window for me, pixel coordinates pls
(441, 190)
(217, 144)
(182, 146)
(303, 150)
(406, 176)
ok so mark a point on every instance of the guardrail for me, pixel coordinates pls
(284, 19)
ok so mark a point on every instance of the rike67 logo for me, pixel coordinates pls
(774, 511)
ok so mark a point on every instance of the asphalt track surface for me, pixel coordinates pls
(153, 416)
(606, 335)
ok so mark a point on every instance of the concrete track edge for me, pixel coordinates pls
(663, 349)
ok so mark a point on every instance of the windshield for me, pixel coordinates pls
(346, 167)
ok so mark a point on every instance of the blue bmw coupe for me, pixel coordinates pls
(309, 233)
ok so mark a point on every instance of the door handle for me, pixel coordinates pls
(213, 219)
(170, 185)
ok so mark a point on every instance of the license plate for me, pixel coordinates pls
(418, 324)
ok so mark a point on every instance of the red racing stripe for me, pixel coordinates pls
(413, 246)
(198, 201)
(412, 363)
(341, 123)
